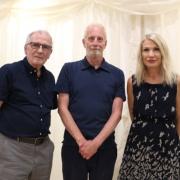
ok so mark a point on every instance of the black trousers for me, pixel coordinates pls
(99, 167)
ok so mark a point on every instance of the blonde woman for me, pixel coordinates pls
(152, 150)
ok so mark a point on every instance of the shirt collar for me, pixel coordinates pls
(104, 66)
(31, 69)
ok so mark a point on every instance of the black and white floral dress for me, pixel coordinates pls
(152, 150)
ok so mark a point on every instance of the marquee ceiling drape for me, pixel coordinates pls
(52, 7)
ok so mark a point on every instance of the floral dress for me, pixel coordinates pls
(152, 150)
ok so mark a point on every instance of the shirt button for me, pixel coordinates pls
(40, 134)
(41, 106)
(41, 119)
(39, 92)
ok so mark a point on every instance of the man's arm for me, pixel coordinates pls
(1, 103)
(67, 119)
(90, 147)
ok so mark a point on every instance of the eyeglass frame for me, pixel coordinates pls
(36, 46)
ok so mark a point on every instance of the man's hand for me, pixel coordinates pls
(88, 149)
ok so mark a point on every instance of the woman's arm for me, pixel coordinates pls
(130, 97)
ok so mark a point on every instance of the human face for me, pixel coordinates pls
(95, 41)
(151, 54)
(38, 49)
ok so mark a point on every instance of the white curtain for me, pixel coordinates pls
(125, 21)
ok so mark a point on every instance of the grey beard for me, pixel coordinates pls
(94, 53)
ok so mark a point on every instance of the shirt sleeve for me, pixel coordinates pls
(63, 81)
(5, 82)
(120, 89)
(55, 103)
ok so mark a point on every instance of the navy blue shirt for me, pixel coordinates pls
(91, 94)
(28, 100)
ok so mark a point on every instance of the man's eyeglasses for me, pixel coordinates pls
(36, 46)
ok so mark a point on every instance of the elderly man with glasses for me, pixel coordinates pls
(26, 99)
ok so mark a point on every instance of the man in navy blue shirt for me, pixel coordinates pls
(27, 97)
(91, 95)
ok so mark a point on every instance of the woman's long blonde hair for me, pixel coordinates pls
(169, 77)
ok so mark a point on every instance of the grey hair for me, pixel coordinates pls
(28, 39)
(95, 25)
